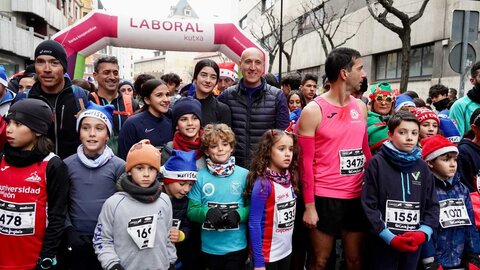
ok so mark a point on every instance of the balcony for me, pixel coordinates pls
(21, 39)
(43, 8)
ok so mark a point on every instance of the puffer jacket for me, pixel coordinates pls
(252, 116)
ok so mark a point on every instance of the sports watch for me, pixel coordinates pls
(46, 263)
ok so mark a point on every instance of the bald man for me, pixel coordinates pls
(256, 106)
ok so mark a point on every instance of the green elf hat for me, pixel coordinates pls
(384, 89)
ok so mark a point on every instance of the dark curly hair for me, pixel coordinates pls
(262, 156)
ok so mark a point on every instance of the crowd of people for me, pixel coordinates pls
(232, 173)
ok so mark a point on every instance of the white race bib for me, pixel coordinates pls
(453, 212)
(142, 230)
(17, 218)
(403, 216)
(351, 161)
(286, 214)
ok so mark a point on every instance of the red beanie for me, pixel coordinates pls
(435, 146)
(424, 114)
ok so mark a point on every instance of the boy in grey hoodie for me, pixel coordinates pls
(133, 228)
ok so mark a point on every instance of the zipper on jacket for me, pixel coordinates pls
(61, 117)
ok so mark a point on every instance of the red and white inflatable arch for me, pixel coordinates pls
(99, 29)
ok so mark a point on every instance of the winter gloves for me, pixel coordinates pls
(418, 237)
(220, 220)
(406, 242)
(403, 243)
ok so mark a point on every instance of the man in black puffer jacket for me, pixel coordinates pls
(255, 105)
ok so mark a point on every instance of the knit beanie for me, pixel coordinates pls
(122, 83)
(403, 100)
(435, 146)
(424, 114)
(103, 113)
(227, 69)
(143, 153)
(181, 166)
(3, 76)
(448, 129)
(52, 48)
(33, 113)
(184, 106)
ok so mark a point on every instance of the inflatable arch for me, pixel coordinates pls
(99, 29)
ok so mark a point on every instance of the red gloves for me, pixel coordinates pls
(472, 266)
(404, 243)
(419, 237)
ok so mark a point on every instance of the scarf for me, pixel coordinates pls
(180, 143)
(141, 194)
(402, 160)
(98, 161)
(279, 178)
(21, 158)
(441, 105)
(474, 94)
(221, 170)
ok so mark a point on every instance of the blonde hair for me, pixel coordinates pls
(213, 132)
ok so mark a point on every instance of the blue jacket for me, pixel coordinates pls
(469, 163)
(144, 125)
(252, 115)
(384, 181)
(449, 245)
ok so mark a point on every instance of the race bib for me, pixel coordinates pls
(142, 230)
(224, 207)
(17, 218)
(286, 214)
(403, 216)
(453, 212)
(351, 161)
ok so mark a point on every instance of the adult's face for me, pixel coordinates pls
(309, 89)
(25, 84)
(355, 76)
(252, 66)
(224, 83)
(383, 105)
(107, 77)
(206, 81)
(476, 80)
(50, 73)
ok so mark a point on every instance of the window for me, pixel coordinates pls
(187, 12)
(267, 4)
(389, 65)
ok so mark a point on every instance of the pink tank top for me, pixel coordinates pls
(339, 158)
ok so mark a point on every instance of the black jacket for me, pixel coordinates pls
(251, 117)
(214, 111)
(469, 163)
(64, 132)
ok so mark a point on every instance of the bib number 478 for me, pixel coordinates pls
(6, 219)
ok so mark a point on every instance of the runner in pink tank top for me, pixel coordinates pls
(332, 135)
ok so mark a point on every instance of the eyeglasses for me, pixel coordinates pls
(381, 98)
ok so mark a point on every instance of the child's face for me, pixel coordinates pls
(220, 151)
(428, 128)
(445, 165)
(93, 135)
(282, 154)
(159, 100)
(405, 136)
(178, 189)
(294, 103)
(143, 175)
(189, 125)
(20, 136)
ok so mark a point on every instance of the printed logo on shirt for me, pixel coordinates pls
(208, 189)
(33, 177)
(354, 114)
(4, 168)
(148, 130)
(331, 115)
(236, 188)
(416, 177)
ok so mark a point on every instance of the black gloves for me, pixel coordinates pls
(432, 266)
(117, 267)
(75, 240)
(172, 267)
(231, 219)
(215, 217)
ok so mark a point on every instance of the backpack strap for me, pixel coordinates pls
(127, 103)
(95, 96)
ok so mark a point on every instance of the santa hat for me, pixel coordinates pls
(435, 146)
(403, 100)
(181, 166)
(227, 69)
(424, 114)
(103, 113)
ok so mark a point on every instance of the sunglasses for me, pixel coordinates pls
(381, 98)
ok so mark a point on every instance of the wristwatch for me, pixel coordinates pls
(46, 263)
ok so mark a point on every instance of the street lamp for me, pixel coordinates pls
(281, 43)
